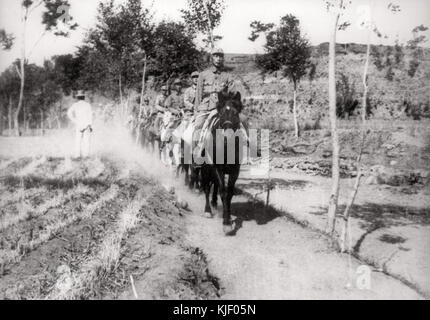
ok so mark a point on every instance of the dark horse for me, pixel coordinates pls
(213, 173)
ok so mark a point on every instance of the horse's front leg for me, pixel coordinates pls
(207, 189)
(226, 219)
(230, 188)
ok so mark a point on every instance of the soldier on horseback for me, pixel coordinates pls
(160, 107)
(190, 94)
(175, 102)
(210, 83)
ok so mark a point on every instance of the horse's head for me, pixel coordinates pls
(167, 118)
(229, 107)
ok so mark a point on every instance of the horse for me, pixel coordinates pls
(227, 121)
(170, 142)
(150, 135)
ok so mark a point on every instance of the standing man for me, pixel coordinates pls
(81, 114)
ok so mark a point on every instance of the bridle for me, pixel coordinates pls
(227, 122)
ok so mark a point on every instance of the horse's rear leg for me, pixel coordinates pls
(208, 210)
(186, 168)
(228, 194)
(214, 201)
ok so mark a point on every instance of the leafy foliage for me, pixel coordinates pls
(174, 53)
(42, 89)
(417, 51)
(203, 16)
(6, 40)
(286, 48)
(51, 17)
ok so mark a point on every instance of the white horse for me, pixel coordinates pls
(171, 146)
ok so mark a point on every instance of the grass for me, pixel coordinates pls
(13, 255)
(81, 284)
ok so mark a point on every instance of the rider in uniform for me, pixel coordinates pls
(210, 82)
(160, 107)
(175, 102)
(190, 94)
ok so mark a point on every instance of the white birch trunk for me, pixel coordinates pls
(346, 214)
(333, 201)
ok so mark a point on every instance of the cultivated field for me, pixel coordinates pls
(86, 229)
(112, 227)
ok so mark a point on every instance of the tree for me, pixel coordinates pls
(338, 6)
(6, 43)
(370, 26)
(50, 19)
(115, 50)
(174, 53)
(287, 50)
(6, 40)
(9, 91)
(203, 17)
(127, 45)
(414, 46)
(66, 72)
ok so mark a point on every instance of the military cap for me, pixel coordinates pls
(195, 74)
(217, 50)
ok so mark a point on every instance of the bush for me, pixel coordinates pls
(346, 102)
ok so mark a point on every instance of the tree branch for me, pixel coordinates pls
(36, 43)
(36, 6)
(17, 71)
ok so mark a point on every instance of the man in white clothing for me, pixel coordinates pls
(81, 114)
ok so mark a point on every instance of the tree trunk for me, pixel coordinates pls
(331, 215)
(22, 69)
(120, 89)
(2, 118)
(345, 227)
(58, 116)
(142, 92)
(41, 121)
(296, 124)
(9, 114)
(210, 28)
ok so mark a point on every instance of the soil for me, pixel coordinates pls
(55, 246)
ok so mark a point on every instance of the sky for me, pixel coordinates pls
(315, 22)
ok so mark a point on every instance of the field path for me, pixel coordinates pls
(271, 257)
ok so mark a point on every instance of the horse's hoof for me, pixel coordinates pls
(228, 229)
(208, 215)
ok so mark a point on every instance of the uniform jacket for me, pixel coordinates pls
(210, 82)
(190, 99)
(160, 103)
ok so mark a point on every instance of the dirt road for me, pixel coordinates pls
(271, 257)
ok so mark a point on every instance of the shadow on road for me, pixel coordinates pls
(261, 184)
(257, 211)
(386, 215)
